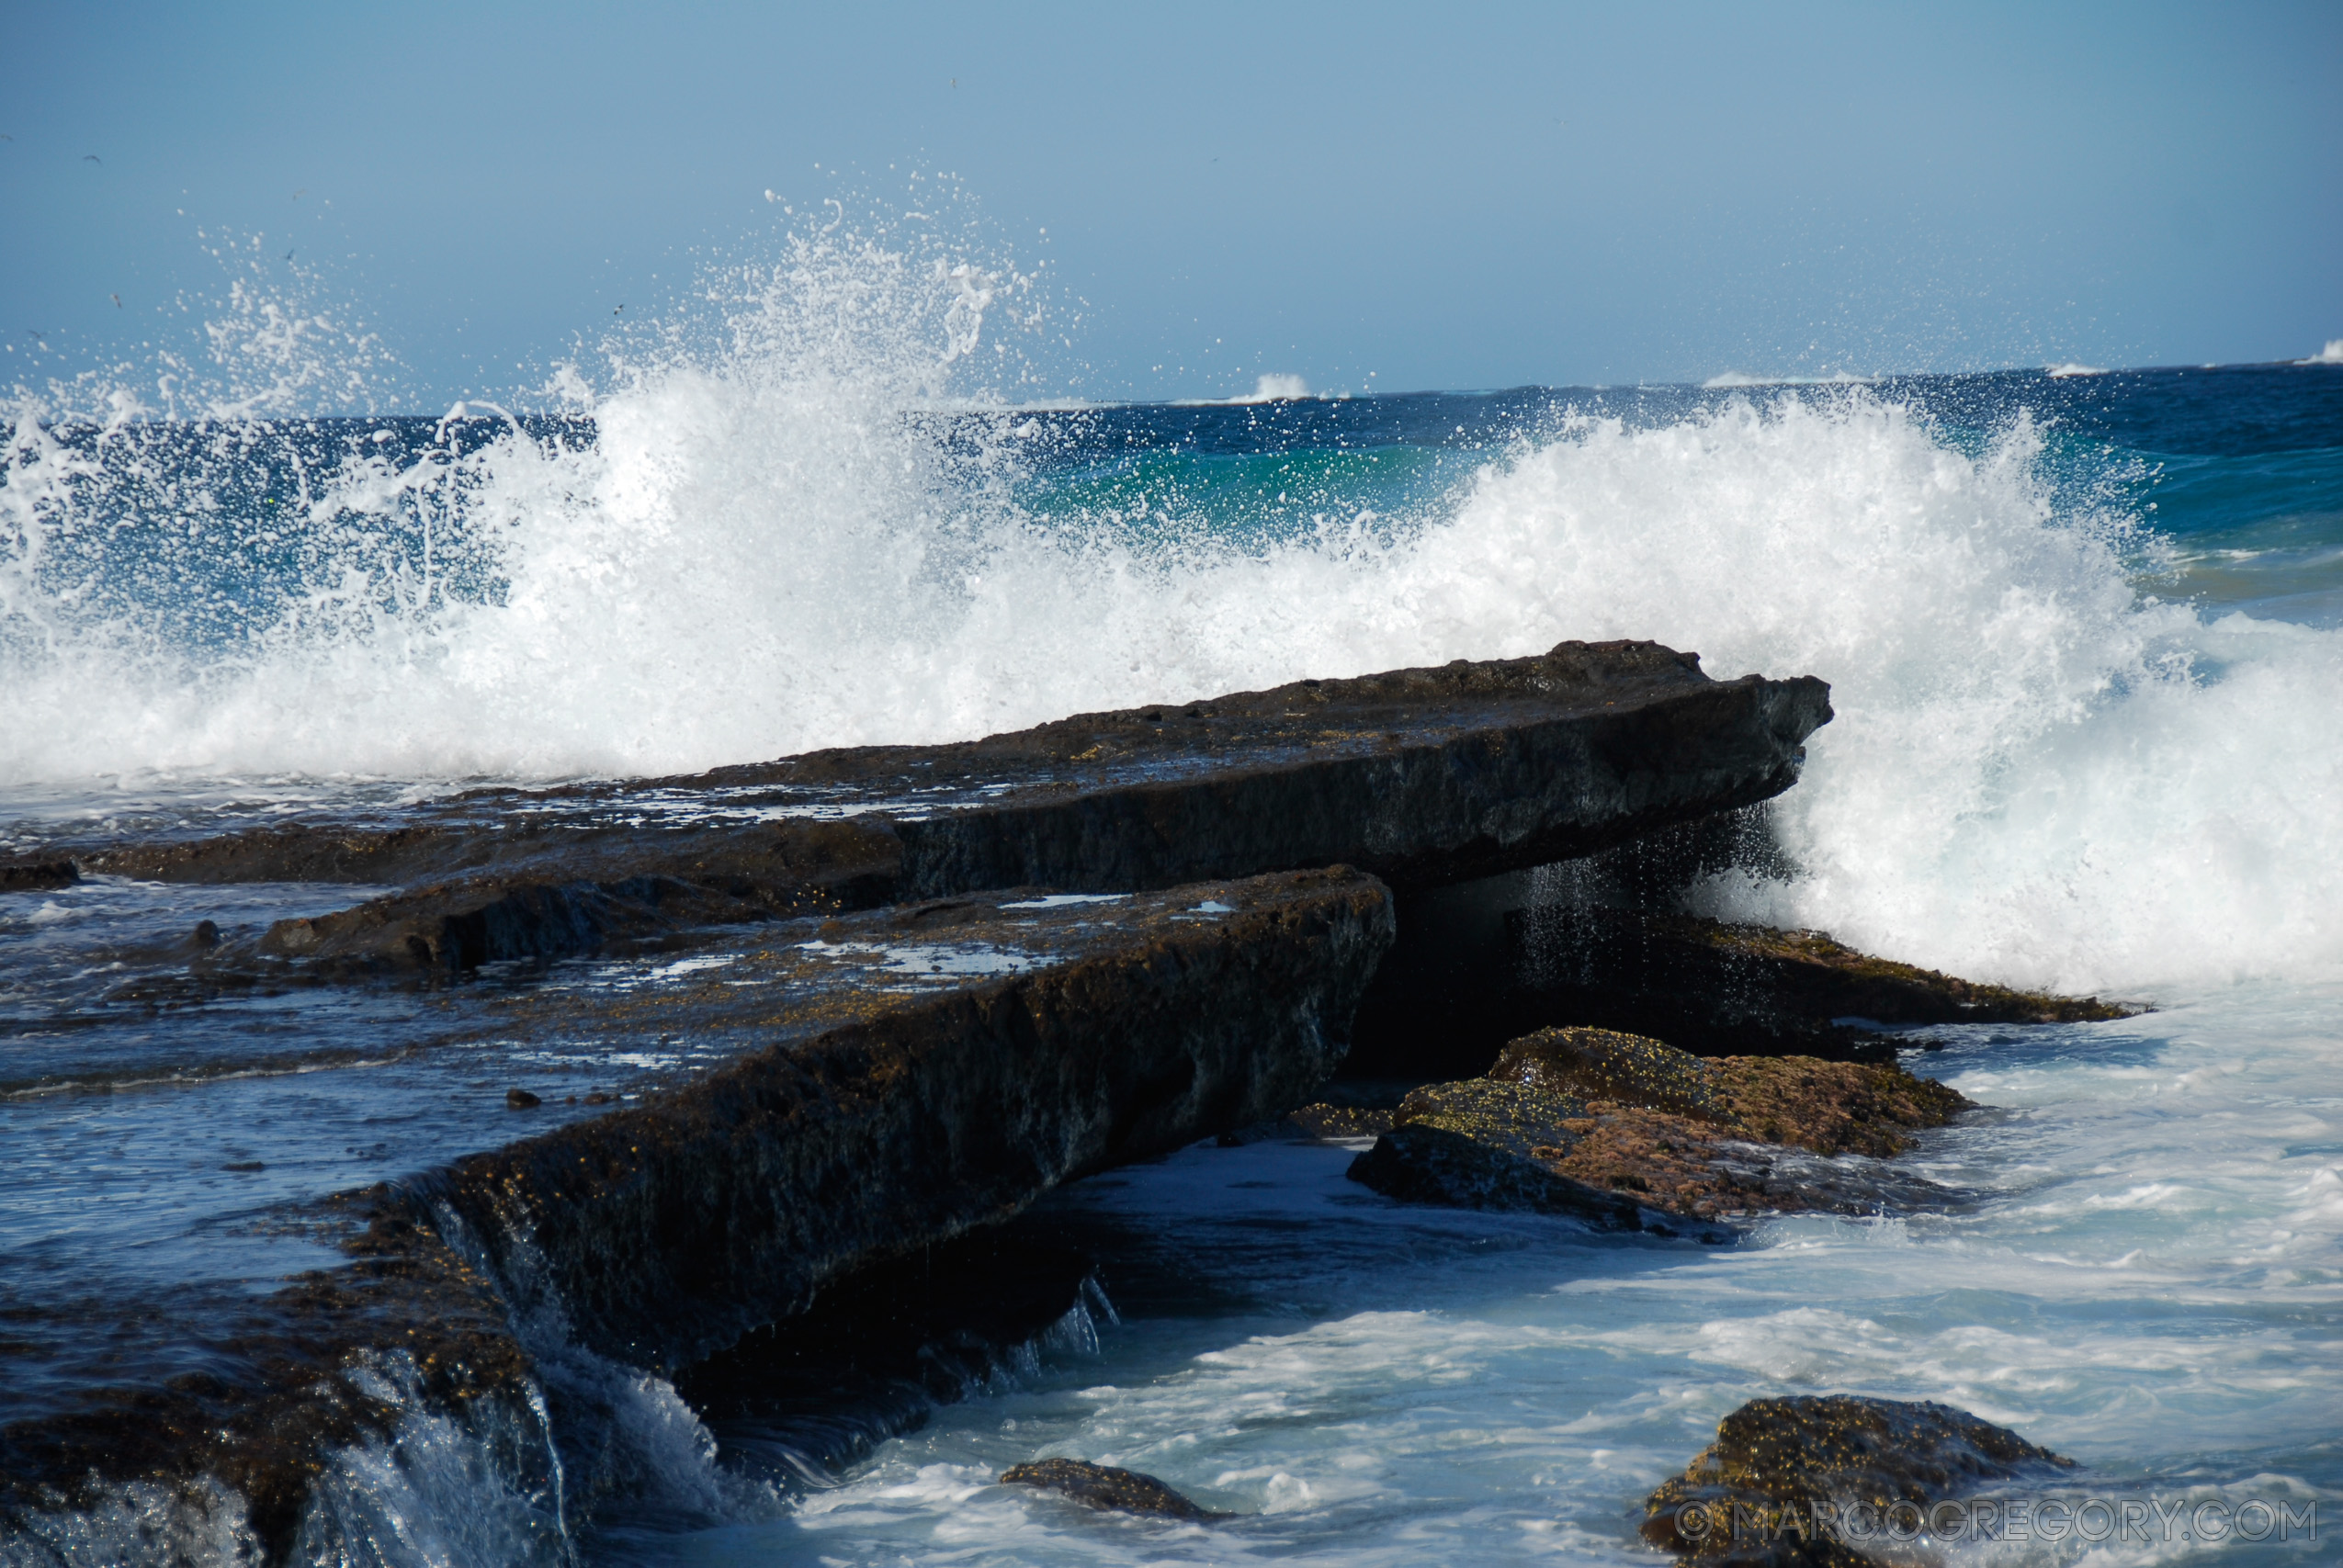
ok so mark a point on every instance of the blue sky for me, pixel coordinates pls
(1441, 197)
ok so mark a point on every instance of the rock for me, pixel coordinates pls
(258, 1393)
(1337, 1122)
(1625, 1069)
(1426, 1163)
(1746, 990)
(36, 876)
(855, 1123)
(1420, 776)
(1601, 1124)
(1751, 1497)
(1103, 1486)
(521, 1100)
(835, 1095)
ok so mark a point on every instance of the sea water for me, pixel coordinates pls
(2085, 638)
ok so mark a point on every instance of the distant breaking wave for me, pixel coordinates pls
(1732, 381)
(1270, 389)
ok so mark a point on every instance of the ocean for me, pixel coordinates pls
(2083, 631)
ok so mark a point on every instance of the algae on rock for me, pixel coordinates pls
(1578, 1121)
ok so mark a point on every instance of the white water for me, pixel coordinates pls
(2032, 775)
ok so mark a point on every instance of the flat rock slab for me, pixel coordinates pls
(1420, 776)
(1627, 1132)
(777, 1110)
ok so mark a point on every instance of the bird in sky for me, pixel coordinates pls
(91, 158)
(118, 301)
(615, 311)
(288, 254)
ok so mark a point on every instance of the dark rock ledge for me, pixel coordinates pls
(1421, 777)
(862, 1121)
(897, 1077)
(1628, 1134)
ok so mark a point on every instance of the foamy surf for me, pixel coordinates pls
(2036, 775)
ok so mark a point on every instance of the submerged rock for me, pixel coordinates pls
(1421, 776)
(1103, 1486)
(1603, 1125)
(1722, 989)
(1808, 1480)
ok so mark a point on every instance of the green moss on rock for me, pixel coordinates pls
(1603, 1064)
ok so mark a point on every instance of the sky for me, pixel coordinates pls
(1371, 198)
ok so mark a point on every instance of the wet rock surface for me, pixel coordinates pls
(1103, 1486)
(36, 876)
(1626, 1132)
(856, 1089)
(258, 1393)
(860, 1123)
(1421, 776)
(1749, 1499)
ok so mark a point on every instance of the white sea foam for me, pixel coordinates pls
(2061, 371)
(2033, 776)
(1267, 389)
(1272, 388)
(2330, 354)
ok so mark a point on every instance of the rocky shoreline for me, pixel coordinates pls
(895, 994)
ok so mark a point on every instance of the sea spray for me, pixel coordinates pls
(807, 517)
